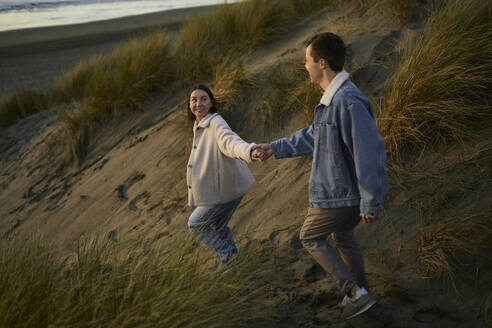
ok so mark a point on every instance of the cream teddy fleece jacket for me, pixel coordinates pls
(217, 172)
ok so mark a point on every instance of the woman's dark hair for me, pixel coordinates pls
(191, 116)
(330, 47)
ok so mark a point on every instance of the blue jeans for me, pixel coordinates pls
(209, 223)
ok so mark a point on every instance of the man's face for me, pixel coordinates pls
(314, 68)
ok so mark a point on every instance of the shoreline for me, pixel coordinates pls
(35, 57)
(14, 42)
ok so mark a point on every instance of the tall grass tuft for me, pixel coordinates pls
(286, 91)
(107, 284)
(28, 285)
(20, 104)
(305, 94)
(442, 247)
(78, 122)
(74, 83)
(110, 85)
(124, 78)
(274, 104)
(230, 82)
(205, 41)
(441, 91)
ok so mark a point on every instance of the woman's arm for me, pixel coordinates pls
(230, 144)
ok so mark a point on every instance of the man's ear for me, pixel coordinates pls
(323, 63)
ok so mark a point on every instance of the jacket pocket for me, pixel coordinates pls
(326, 135)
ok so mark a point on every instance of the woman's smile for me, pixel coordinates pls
(200, 104)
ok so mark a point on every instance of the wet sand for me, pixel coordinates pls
(32, 58)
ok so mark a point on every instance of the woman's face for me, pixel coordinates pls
(200, 104)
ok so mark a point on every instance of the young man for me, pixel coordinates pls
(348, 177)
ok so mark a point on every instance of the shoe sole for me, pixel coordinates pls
(364, 309)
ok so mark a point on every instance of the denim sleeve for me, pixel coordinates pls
(299, 144)
(361, 136)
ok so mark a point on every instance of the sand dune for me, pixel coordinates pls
(132, 184)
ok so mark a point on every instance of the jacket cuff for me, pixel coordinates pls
(248, 158)
(370, 210)
(275, 148)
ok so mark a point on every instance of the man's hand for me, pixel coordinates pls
(264, 152)
(368, 219)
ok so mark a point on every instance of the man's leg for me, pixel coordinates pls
(319, 224)
(350, 251)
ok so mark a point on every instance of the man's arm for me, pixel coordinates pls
(299, 144)
(360, 133)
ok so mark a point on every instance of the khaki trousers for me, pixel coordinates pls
(320, 223)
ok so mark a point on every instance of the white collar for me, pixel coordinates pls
(205, 122)
(334, 85)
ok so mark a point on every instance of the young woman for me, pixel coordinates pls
(217, 173)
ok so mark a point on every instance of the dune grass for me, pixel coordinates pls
(206, 40)
(305, 95)
(108, 284)
(112, 84)
(27, 285)
(124, 78)
(78, 122)
(443, 247)
(286, 91)
(234, 29)
(22, 103)
(230, 84)
(273, 107)
(205, 46)
(441, 90)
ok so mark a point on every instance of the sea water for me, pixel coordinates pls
(20, 14)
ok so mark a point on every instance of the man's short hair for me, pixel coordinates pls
(330, 47)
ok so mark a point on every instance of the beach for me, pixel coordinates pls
(94, 196)
(32, 58)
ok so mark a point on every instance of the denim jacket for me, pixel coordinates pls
(349, 157)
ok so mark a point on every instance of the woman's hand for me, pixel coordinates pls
(262, 152)
(257, 154)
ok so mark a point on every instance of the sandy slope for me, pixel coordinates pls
(132, 186)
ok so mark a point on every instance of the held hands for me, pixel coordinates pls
(256, 154)
(261, 152)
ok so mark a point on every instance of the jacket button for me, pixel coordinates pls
(189, 187)
(189, 166)
(194, 147)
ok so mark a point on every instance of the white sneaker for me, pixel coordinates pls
(362, 302)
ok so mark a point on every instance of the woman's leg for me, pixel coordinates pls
(209, 223)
